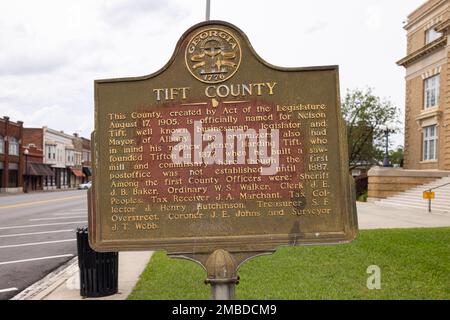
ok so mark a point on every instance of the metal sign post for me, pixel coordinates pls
(208, 10)
(429, 195)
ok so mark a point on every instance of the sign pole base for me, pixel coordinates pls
(221, 268)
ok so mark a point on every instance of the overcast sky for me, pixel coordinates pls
(51, 51)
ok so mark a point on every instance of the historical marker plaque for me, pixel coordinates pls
(220, 149)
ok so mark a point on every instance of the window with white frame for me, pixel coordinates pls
(430, 145)
(78, 158)
(13, 146)
(70, 156)
(50, 151)
(2, 145)
(86, 156)
(431, 91)
(431, 35)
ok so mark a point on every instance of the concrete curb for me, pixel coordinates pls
(64, 282)
(39, 290)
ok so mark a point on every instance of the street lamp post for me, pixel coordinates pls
(25, 152)
(386, 160)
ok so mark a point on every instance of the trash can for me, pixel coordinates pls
(98, 270)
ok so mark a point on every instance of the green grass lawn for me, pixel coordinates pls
(415, 264)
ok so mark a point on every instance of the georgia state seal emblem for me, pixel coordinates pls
(213, 55)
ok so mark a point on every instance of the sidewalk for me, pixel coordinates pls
(64, 283)
(377, 216)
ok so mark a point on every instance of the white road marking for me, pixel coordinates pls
(41, 225)
(34, 233)
(67, 213)
(35, 243)
(57, 218)
(36, 259)
(8, 206)
(8, 290)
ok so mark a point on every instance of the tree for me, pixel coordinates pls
(365, 115)
(396, 156)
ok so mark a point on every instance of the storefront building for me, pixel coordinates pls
(11, 158)
(86, 159)
(77, 169)
(34, 170)
(59, 154)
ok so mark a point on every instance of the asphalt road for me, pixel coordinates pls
(37, 235)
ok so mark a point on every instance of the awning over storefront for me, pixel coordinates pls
(38, 169)
(77, 172)
(87, 171)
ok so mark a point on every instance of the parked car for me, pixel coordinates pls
(85, 185)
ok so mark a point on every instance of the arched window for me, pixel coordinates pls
(13, 146)
(2, 145)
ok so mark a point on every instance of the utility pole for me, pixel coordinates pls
(208, 10)
(26, 171)
(386, 161)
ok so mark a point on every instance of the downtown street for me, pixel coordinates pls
(37, 235)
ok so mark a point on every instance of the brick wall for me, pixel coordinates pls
(11, 129)
(386, 182)
(33, 140)
(423, 8)
(33, 136)
(416, 40)
(413, 134)
(445, 128)
(420, 20)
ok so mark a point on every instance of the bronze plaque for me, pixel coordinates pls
(220, 150)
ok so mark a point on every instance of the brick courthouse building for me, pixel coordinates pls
(427, 108)
(427, 103)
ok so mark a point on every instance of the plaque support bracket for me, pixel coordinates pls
(221, 268)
